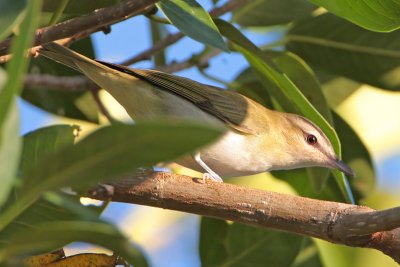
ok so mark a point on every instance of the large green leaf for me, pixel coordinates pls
(308, 255)
(248, 83)
(36, 145)
(10, 144)
(212, 243)
(191, 18)
(336, 88)
(61, 101)
(45, 211)
(11, 14)
(108, 153)
(44, 142)
(343, 48)
(9, 136)
(270, 72)
(50, 235)
(382, 16)
(298, 177)
(272, 12)
(223, 244)
(356, 154)
(18, 64)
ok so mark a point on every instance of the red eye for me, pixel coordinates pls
(311, 139)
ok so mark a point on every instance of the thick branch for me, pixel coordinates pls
(331, 221)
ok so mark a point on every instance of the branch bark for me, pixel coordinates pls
(341, 223)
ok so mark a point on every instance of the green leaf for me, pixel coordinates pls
(44, 142)
(345, 49)
(308, 256)
(9, 136)
(336, 88)
(18, 64)
(191, 18)
(356, 154)
(48, 210)
(381, 16)
(108, 153)
(305, 80)
(78, 7)
(10, 148)
(11, 14)
(212, 244)
(243, 245)
(270, 72)
(60, 101)
(298, 179)
(248, 83)
(272, 12)
(51, 235)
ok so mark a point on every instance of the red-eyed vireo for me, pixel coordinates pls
(257, 139)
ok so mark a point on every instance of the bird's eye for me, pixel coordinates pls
(311, 139)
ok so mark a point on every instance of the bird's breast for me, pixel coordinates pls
(235, 154)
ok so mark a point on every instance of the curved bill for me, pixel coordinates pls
(343, 167)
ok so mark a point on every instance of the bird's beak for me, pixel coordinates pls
(343, 167)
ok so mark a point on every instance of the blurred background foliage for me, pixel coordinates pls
(336, 62)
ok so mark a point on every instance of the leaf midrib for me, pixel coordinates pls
(343, 46)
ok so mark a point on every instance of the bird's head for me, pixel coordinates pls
(310, 145)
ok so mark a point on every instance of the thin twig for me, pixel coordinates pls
(80, 83)
(201, 62)
(52, 82)
(101, 106)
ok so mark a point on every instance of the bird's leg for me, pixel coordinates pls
(209, 173)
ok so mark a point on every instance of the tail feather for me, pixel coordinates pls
(66, 56)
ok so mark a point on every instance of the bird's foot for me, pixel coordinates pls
(214, 177)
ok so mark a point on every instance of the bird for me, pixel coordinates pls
(256, 139)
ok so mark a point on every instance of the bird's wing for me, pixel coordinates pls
(230, 107)
(227, 106)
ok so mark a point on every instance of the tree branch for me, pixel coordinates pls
(82, 83)
(52, 82)
(93, 21)
(341, 223)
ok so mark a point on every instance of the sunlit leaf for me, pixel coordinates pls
(374, 15)
(190, 17)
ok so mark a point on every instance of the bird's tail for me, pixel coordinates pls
(71, 58)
